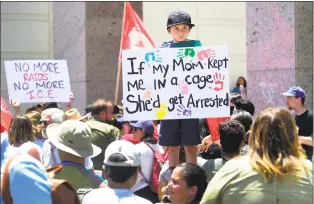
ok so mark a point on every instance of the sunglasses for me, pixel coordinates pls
(44, 123)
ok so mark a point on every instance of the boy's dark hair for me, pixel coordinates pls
(231, 135)
(119, 174)
(245, 84)
(46, 106)
(245, 118)
(244, 104)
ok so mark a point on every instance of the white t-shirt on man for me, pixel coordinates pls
(113, 196)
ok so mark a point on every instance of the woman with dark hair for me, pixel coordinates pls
(275, 171)
(187, 185)
(165, 175)
(143, 131)
(21, 137)
(241, 83)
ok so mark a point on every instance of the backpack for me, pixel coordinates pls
(158, 161)
(62, 191)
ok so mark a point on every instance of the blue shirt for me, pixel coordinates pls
(238, 90)
(29, 182)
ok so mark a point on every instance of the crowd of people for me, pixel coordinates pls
(109, 160)
(104, 159)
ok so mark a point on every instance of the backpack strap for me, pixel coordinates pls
(54, 170)
(144, 177)
(150, 147)
(153, 158)
(81, 193)
(157, 157)
(5, 187)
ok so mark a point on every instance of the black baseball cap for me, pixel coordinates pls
(179, 17)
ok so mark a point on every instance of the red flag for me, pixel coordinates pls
(134, 34)
(6, 116)
(213, 126)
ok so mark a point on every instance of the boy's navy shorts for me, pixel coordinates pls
(179, 132)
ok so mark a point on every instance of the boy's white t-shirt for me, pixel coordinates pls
(147, 157)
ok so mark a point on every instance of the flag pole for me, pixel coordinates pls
(119, 60)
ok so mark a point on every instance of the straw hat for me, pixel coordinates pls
(74, 137)
(74, 114)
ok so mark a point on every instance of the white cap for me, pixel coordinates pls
(125, 148)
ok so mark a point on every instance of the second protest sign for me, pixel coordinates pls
(32, 81)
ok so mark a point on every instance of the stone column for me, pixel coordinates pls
(304, 48)
(276, 53)
(87, 35)
(69, 44)
(103, 34)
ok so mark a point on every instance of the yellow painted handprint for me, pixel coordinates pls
(162, 111)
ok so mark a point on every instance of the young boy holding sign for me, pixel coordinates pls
(174, 133)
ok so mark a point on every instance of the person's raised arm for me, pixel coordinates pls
(306, 140)
(69, 104)
(16, 107)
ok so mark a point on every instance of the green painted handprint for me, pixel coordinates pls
(186, 52)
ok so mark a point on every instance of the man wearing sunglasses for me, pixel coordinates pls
(51, 115)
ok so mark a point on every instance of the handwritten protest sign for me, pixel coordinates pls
(31, 81)
(176, 83)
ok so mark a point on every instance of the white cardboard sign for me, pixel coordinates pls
(176, 83)
(33, 81)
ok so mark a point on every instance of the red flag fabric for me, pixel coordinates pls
(134, 34)
(6, 116)
(213, 126)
